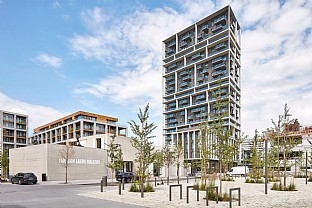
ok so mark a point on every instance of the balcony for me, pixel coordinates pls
(204, 28)
(184, 72)
(218, 60)
(220, 46)
(188, 77)
(172, 66)
(186, 36)
(205, 71)
(183, 84)
(217, 73)
(170, 44)
(170, 83)
(220, 19)
(218, 66)
(217, 29)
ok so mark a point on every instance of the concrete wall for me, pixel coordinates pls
(87, 163)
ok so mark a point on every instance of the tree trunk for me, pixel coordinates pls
(220, 176)
(66, 173)
(168, 175)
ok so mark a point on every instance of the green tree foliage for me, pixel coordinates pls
(224, 146)
(5, 163)
(256, 157)
(283, 140)
(158, 161)
(142, 143)
(179, 157)
(169, 157)
(115, 156)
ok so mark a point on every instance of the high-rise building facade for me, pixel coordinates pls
(198, 61)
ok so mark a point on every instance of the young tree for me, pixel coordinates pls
(205, 150)
(115, 156)
(66, 154)
(168, 158)
(256, 159)
(224, 145)
(142, 143)
(5, 163)
(158, 162)
(179, 157)
(285, 142)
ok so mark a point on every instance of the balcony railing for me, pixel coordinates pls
(186, 36)
(219, 19)
(218, 66)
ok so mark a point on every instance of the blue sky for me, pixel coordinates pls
(58, 57)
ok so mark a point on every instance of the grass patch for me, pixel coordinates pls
(135, 187)
(254, 180)
(279, 187)
(227, 179)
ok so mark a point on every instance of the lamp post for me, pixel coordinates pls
(306, 157)
(266, 165)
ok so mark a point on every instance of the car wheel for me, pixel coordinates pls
(12, 182)
(19, 182)
(35, 183)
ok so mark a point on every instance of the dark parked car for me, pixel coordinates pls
(127, 176)
(24, 178)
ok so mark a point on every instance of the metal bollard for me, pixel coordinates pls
(104, 178)
(101, 185)
(119, 187)
(123, 184)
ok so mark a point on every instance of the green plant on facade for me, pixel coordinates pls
(141, 142)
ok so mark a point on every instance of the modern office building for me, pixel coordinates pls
(75, 126)
(200, 61)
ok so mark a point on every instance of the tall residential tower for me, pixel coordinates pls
(198, 61)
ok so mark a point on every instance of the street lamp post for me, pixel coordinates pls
(306, 165)
(266, 165)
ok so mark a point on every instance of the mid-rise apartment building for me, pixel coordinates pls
(198, 61)
(13, 131)
(73, 127)
(13, 128)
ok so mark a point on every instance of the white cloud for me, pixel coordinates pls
(38, 115)
(56, 4)
(276, 62)
(48, 60)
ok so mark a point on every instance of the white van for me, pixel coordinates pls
(238, 171)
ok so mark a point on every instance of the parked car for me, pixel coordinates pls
(24, 178)
(127, 176)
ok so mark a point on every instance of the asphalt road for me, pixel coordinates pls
(53, 196)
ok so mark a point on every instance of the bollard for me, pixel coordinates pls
(239, 196)
(104, 178)
(123, 184)
(170, 186)
(187, 193)
(217, 195)
(101, 185)
(119, 187)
